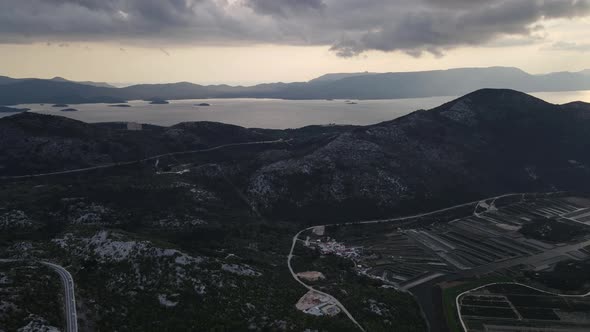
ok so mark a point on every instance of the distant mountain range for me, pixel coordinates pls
(366, 85)
(10, 80)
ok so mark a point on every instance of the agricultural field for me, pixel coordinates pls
(403, 253)
(515, 307)
(513, 237)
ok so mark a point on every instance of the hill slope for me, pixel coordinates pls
(485, 143)
(36, 143)
(490, 141)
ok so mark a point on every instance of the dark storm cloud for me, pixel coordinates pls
(434, 31)
(350, 27)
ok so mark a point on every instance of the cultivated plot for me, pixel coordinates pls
(513, 307)
(494, 237)
(511, 237)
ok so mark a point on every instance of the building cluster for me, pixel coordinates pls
(323, 309)
(331, 246)
(316, 304)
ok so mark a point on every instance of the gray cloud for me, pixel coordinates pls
(350, 27)
(572, 47)
(435, 31)
(284, 8)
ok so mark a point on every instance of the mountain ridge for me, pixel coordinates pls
(10, 80)
(330, 86)
(487, 142)
(435, 156)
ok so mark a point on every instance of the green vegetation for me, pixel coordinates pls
(565, 276)
(198, 241)
(149, 214)
(551, 230)
(27, 291)
(376, 307)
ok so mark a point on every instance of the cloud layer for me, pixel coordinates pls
(350, 27)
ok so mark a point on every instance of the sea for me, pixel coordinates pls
(268, 113)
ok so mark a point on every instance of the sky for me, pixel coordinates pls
(253, 41)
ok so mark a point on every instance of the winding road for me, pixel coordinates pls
(69, 296)
(126, 163)
(376, 221)
(332, 298)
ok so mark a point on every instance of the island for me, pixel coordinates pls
(69, 110)
(203, 104)
(120, 105)
(5, 109)
(60, 105)
(159, 102)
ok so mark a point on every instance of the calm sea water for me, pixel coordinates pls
(269, 113)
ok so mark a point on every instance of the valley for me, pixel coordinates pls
(294, 166)
(205, 225)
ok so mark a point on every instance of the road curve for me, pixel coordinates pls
(340, 305)
(376, 221)
(69, 296)
(334, 300)
(126, 163)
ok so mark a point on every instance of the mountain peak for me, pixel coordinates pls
(89, 83)
(501, 95)
(490, 104)
(331, 77)
(499, 98)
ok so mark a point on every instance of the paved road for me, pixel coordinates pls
(125, 163)
(376, 221)
(332, 298)
(426, 214)
(69, 297)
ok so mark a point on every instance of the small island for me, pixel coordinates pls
(159, 102)
(5, 109)
(203, 104)
(69, 110)
(60, 105)
(120, 105)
